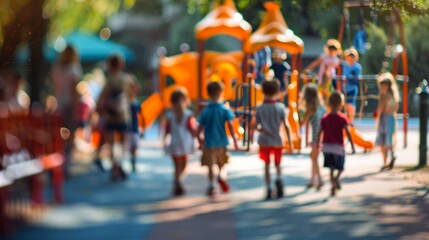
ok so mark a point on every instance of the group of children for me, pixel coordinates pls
(327, 121)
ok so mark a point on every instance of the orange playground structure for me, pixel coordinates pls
(193, 70)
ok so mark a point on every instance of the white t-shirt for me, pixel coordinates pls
(181, 139)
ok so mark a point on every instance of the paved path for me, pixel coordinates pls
(372, 205)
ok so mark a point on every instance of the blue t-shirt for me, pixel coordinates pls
(279, 70)
(213, 119)
(352, 74)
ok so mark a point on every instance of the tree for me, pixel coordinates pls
(30, 21)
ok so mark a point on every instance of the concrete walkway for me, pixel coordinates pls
(372, 205)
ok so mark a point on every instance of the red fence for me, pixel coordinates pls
(30, 145)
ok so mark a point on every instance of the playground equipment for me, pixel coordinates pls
(192, 70)
(396, 54)
(274, 32)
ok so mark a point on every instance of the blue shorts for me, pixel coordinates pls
(334, 161)
(352, 93)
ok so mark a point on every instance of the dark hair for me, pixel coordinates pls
(214, 88)
(336, 99)
(177, 94)
(115, 62)
(332, 47)
(270, 87)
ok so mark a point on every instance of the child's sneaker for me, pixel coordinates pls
(210, 191)
(333, 192)
(178, 190)
(279, 186)
(338, 184)
(269, 194)
(224, 186)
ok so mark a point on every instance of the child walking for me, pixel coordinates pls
(332, 126)
(269, 117)
(181, 129)
(352, 73)
(314, 111)
(212, 122)
(386, 114)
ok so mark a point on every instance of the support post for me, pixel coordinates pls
(423, 91)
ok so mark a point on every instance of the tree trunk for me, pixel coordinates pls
(37, 70)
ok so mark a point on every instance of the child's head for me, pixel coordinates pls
(115, 63)
(332, 47)
(270, 88)
(351, 55)
(279, 55)
(336, 100)
(214, 90)
(387, 85)
(310, 95)
(178, 97)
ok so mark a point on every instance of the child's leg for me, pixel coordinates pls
(182, 168)
(315, 165)
(392, 157)
(337, 179)
(384, 155)
(351, 112)
(267, 175)
(333, 182)
(332, 178)
(176, 169)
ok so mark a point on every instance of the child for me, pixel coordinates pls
(212, 122)
(332, 126)
(269, 117)
(281, 71)
(181, 128)
(328, 62)
(386, 113)
(314, 110)
(352, 73)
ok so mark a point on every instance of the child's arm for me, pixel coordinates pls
(231, 130)
(166, 132)
(312, 65)
(319, 135)
(288, 135)
(349, 136)
(200, 131)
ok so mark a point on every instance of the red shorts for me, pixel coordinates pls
(265, 152)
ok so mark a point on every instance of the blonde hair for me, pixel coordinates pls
(333, 43)
(311, 98)
(352, 52)
(389, 79)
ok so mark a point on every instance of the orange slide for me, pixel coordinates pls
(359, 140)
(150, 109)
(292, 118)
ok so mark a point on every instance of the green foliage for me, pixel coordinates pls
(405, 7)
(418, 49)
(372, 60)
(83, 15)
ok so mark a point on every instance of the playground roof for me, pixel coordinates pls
(274, 32)
(223, 19)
